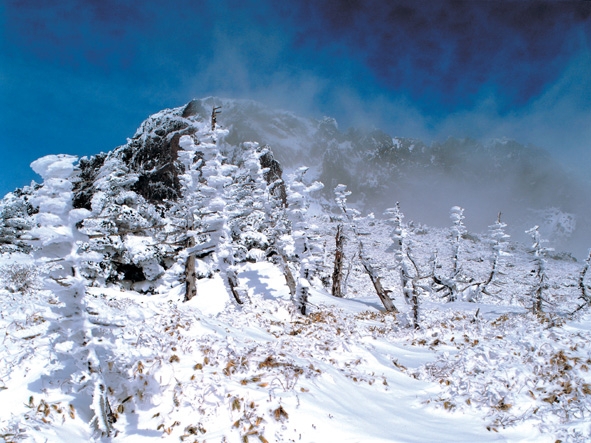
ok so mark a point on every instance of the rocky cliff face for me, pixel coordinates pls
(139, 205)
(151, 156)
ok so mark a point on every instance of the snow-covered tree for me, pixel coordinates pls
(122, 228)
(57, 240)
(232, 208)
(55, 235)
(204, 206)
(394, 217)
(185, 212)
(410, 274)
(498, 239)
(350, 214)
(539, 271)
(277, 226)
(449, 284)
(339, 256)
(302, 234)
(16, 220)
(583, 285)
(457, 231)
(249, 202)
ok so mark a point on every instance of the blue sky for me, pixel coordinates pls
(78, 77)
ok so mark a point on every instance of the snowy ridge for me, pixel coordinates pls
(180, 287)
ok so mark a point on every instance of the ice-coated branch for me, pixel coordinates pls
(458, 230)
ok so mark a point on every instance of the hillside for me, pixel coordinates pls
(179, 287)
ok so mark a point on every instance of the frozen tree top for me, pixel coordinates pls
(54, 166)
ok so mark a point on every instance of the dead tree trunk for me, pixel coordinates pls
(377, 284)
(538, 294)
(291, 283)
(341, 197)
(232, 279)
(280, 260)
(103, 419)
(585, 296)
(337, 275)
(540, 270)
(190, 275)
(415, 307)
(214, 114)
(498, 237)
(303, 299)
(491, 276)
(414, 293)
(376, 281)
(538, 291)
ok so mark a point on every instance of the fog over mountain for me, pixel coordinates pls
(78, 78)
(524, 182)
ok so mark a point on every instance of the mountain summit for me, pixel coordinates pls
(523, 182)
(200, 281)
(205, 182)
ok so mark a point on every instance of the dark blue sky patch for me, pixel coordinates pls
(448, 50)
(94, 33)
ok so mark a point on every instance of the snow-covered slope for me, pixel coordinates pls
(211, 370)
(179, 287)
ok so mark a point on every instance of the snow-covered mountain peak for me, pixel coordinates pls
(189, 286)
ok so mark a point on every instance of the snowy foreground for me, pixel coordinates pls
(208, 370)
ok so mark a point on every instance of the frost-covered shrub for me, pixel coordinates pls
(16, 220)
(19, 278)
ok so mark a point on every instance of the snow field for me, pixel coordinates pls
(261, 372)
